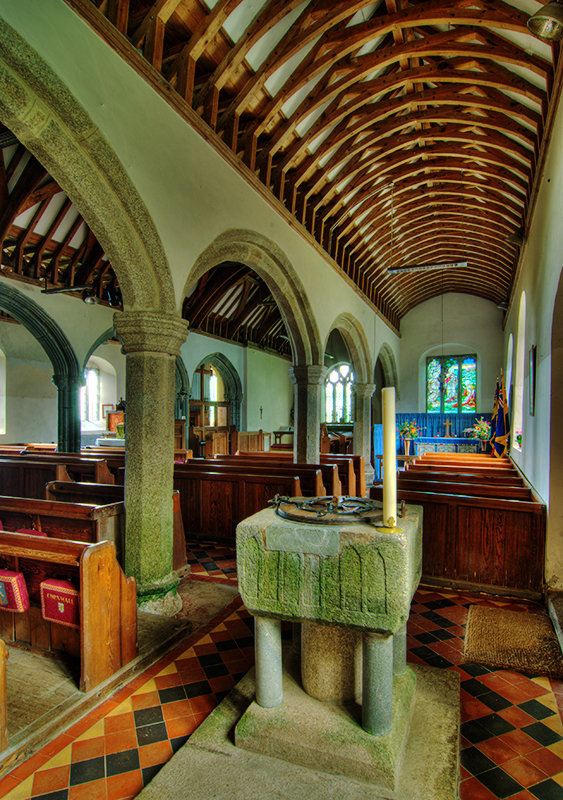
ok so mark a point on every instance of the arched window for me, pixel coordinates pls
(90, 409)
(518, 401)
(338, 393)
(508, 370)
(100, 388)
(451, 384)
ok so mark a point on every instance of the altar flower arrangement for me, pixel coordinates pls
(519, 438)
(481, 430)
(409, 430)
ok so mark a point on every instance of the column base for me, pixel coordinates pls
(160, 597)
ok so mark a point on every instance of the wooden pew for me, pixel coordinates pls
(468, 469)
(213, 503)
(24, 477)
(107, 637)
(79, 522)
(113, 453)
(101, 494)
(480, 542)
(356, 486)
(463, 476)
(78, 468)
(311, 477)
(247, 440)
(3, 696)
(472, 489)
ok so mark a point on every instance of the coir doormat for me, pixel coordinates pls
(515, 640)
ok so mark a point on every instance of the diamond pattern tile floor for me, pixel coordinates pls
(512, 733)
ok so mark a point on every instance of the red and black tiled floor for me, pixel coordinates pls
(512, 736)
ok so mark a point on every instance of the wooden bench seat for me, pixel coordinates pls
(74, 521)
(107, 637)
(502, 479)
(308, 473)
(72, 467)
(480, 530)
(471, 489)
(352, 478)
(102, 494)
(213, 503)
(489, 472)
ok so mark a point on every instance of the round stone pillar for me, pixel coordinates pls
(151, 342)
(306, 440)
(68, 412)
(363, 427)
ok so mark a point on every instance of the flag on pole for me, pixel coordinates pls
(502, 433)
(494, 417)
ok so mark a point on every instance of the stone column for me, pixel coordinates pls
(307, 379)
(377, 685)
(269, 673)
(400, 650)
(68, 412)
(363, 429)
(151, 342)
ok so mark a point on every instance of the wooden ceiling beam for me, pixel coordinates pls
(32, 175)
(493, 123)
(476, 107)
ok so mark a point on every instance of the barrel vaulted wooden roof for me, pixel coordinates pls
(396, 133)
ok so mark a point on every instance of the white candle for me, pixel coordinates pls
(389, 458)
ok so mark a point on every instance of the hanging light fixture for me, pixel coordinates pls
(547, 22)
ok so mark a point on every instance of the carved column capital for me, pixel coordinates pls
(150, 331)
(307, 373)
(363, 390)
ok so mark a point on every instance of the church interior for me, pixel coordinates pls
(279, 248)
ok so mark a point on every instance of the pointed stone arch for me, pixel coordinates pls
(182, 386)
(354, 338)
(266, 259)
(102, 338)
(49, 121)
(67, 373)
(386, 356)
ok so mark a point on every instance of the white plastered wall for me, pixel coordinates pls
(471, 325)
(542, 261)
(264, 378)
(31, 396)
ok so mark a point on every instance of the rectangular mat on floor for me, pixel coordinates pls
(515, 640)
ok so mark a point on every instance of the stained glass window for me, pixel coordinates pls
(433, 386)
(451, 384)
(338, 394)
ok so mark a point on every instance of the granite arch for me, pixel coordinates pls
(265, 258)
(45, 116)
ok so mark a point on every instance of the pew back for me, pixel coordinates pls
(106, 639)
(213, 503)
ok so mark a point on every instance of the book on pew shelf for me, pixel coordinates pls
(13, 591)
(59, 602)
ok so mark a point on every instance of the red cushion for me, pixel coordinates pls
(13, 591)
(60, 602)
(31, 532)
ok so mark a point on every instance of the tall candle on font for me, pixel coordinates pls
(389, 458)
